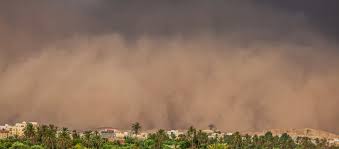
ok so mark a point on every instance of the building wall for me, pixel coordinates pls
(4, 134)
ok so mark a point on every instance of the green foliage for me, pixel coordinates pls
(148, 144)
(29, 133)
(130, 140)
(79, 146)
(218, 146)
(159, 138)
(109, 146)
(2, 146)
(19, 145)
(136, 127)
(50, 137)
(64, 139)
(37, 147)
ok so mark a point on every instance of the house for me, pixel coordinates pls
(334, 141)
(107, 133)
(112, 134)
(2, 127)
(142, 135)
(121, 134)
(4, 133)
(5, 127)
(17, 129)
(215, 135)
(174, 132)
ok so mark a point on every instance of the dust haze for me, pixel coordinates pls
(166, 64)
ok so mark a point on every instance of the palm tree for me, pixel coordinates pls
(160, 137)
(41, 131)
(285, 141)
(87, 138)
(236, 140)
(29, 132)
(201, 139)
(49, 136)
(136, 127)
(191, 134)
(96, 140)
(75, 135)
(64, 139)
(268, 140)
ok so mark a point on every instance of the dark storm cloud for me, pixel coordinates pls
(323, 14)
(166, 17)
(241, 65)
(42, 21)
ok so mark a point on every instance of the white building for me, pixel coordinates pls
(3, 127)
(175, 132)
(108, 133)
(121, 134)
(334, 141)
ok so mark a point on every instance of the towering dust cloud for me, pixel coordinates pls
(167, 64)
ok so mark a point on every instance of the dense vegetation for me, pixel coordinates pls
(48, 136)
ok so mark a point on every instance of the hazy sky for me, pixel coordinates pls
(241, 65)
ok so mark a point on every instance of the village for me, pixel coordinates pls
(112, 134)
(109, 133)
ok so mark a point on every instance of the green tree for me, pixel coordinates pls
(79, 146)
(235, 140)
(64, 139)
(2, 146)
(268, 140)
(75, 138)
(201, 139)
(191, 134)
(19, 145)
(86, 139)
(96, 140)
(49, 136)
(305, 142)
(40, 133)
(160, 137)
(136, 127)
(112, 145)
(286, 142)
(37, 147)
(75, 135)
(130, 140)
(30, 132)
